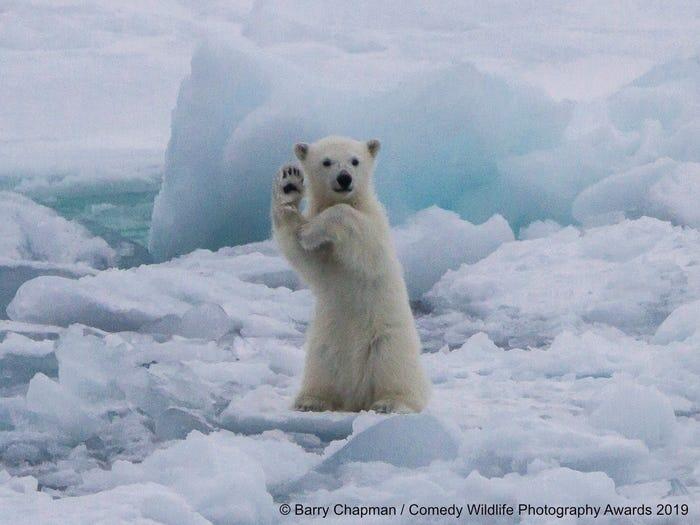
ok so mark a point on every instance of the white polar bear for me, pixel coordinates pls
(362, 347)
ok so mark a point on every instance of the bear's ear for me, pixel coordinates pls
(301, 150)
(373, 147)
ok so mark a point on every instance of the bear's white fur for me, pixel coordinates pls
(362, 349)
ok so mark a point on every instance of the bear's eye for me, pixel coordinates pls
(354, 161)
(327, 162)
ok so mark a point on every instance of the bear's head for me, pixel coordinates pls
(338, 169)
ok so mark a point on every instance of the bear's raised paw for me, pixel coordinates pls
(289, 185)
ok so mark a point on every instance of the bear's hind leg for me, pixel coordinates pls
(398, 379)
(310, 403)
(389, 405)
(318, 392)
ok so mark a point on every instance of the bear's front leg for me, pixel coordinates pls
(313, 235)
(287, 192)
(331, 226)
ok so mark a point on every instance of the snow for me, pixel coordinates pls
(171, 300)
(612, 154)
(665, 188)
(410, 441)
(630, 275)
(601, 410)
(18, 344)
(539, 229)
(636, 412)
(145, 296)
(683, 323)
(525, 123)
(435, 240)
(210, 472)
(137, 503)
(37, 233)
(564, 361)
(37, 241)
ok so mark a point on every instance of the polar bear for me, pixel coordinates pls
(362, 348)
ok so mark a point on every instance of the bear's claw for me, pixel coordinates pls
(386, 406)
(290, 171)
(311, 404)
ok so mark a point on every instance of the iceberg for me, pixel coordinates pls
(240, 111)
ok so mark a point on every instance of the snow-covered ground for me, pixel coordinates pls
(565, 372)
(540, 162)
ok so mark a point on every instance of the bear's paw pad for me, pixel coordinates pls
(289, 183)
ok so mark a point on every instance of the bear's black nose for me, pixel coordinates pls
(344, 179)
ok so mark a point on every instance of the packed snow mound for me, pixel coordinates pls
(683, 323)
(18, 344)
(439, 487)
(36, 241)
(409, 441)
(539, 229)
(583, 365)
(114, 396)
(240, 111)
(205, 422)
(630, 275)
(210, 472)
(665, 189)
(173, 298)
(205, 320)
(650, 122)
(25, 351)
(238, 470)
(113, 425)
(207, 293)
(435, 240)
(23, 504)
(663, 100)
(636, 412)
(32, 232)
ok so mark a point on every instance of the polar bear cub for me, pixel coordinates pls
(362, 348)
